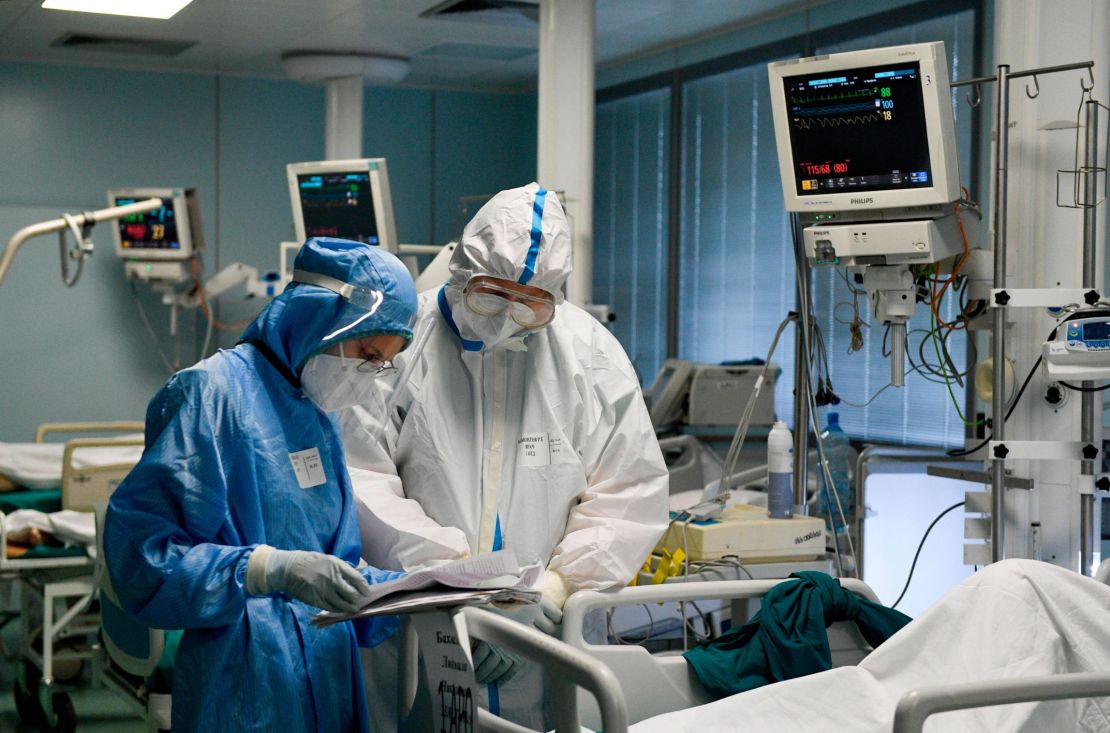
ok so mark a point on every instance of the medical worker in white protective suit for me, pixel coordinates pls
(521, 426)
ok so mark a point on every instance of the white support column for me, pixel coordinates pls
(343, 117)
(343, 74)
(566, 125)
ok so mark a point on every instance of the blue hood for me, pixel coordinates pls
(306, 319)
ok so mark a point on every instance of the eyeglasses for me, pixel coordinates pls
(376, 368)
(373, 364)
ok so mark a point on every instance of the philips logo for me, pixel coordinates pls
(868, 200)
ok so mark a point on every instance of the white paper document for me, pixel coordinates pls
(490, 578)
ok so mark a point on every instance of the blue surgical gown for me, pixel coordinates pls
(215, 481)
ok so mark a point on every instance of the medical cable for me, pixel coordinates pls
(1078, 388)
(208, 330)
(824, 463)
(1017, 398)
(622, 640)
(934, 302)
(947, 359)
(82, 247)
(806, 311)
(804, 299)
(699, 638)
(728, 561)
(150, 329)
(920, 545)
(733, 455)
(870, 399)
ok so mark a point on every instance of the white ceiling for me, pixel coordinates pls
(247, 37)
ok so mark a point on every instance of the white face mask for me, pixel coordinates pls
(491, 330)
(334, 382)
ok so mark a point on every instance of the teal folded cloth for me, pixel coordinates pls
(48, 552)
(787, 638)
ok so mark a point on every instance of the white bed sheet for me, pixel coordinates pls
(1017, 618)
(39, 465)
(72, 528)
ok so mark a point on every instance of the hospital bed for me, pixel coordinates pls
(56, 583)
(664, 683)
(645, 684)
(918, 705)
(568, 669)
(586, 693)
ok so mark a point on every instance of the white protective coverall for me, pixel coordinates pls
(540, 443)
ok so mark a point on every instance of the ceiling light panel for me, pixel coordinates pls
(159, 9)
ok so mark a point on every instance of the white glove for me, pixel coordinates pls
(320, 580)
(552, 597)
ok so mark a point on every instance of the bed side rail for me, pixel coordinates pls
(117, 426)
(579, 604)
(917, 705)
(86, 487)
(567, 669)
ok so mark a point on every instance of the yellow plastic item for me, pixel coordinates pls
(645, 568)
(670, 563)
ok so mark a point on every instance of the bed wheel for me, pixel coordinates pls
(26, 691)
(64, 718)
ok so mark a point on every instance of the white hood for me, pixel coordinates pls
(521, 235)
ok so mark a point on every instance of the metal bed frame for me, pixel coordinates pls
(57, 592)
(577, 664)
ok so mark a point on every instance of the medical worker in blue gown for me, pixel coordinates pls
(238, 524)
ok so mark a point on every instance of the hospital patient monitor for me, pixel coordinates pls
(156, 244)
(866, 131)
(348, 199)
(868, 160)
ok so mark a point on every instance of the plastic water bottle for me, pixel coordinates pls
(838, 451)
(780, 472)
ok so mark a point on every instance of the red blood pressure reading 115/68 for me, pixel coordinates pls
(824, 169)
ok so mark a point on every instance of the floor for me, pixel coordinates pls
(98, 708)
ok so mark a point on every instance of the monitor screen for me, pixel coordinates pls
(858, 130)
(151, 230)
(1096, 331)
(339, 204)
(866, 131)
(172, 232)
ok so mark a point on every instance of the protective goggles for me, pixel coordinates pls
(530, 307)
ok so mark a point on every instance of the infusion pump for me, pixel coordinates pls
(1081, 348)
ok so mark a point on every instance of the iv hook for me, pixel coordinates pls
(977, 99)
(1088, 89)
(1036, 86)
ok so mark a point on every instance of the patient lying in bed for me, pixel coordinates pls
(1017, 618)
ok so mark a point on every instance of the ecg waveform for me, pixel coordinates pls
(838, 109)
(805, 124)
(835, 97)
